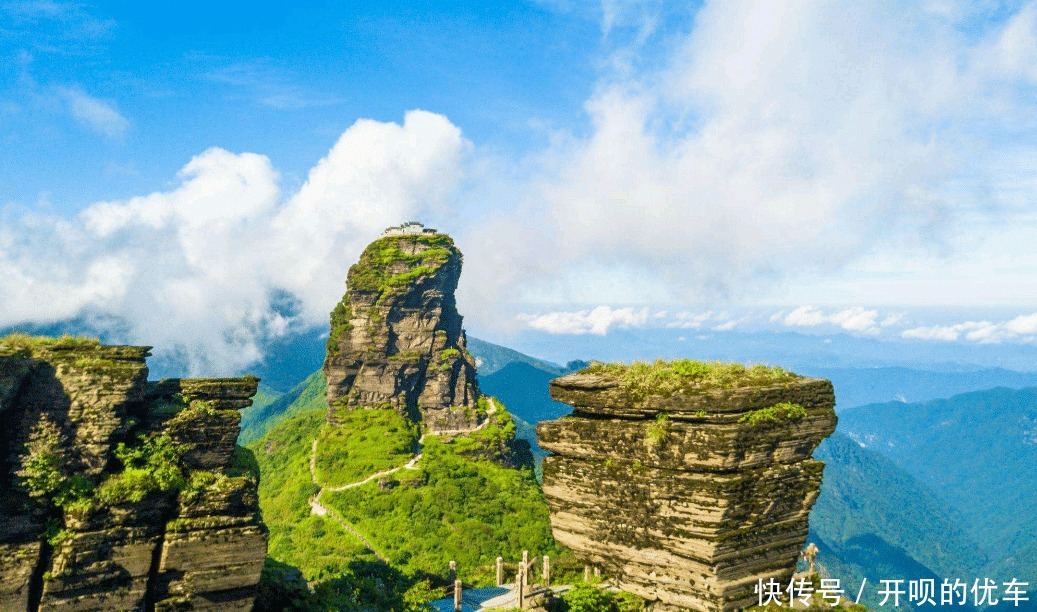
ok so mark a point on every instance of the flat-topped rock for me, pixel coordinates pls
(686, 482)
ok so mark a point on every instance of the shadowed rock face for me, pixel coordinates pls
(197, 545)
(396, 337)
(691, 509)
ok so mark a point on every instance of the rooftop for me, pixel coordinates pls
(411, 227)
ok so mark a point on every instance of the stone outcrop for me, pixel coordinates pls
(396, 337)
(686, 498)
(120, 494)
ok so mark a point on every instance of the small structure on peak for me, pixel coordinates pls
(409, 228)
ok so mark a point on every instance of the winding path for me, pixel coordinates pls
(316, 507)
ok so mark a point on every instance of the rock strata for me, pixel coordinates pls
(396, 337)
(117, 493)
(687, 498)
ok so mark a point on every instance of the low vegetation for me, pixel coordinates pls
(364, 442)
(586, 597)
(15, 342)
(778, 413)
(459, 504)
(378, 268)
(667, 378)
(658, 432)
(151, 464)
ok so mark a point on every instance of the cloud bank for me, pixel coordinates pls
(1021, 329)
(766, 142)
(214, 267)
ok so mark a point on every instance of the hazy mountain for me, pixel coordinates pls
(875, 520)
(492, 357)
(978, 451)
(859, 386)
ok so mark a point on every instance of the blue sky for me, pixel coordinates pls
(200, 176)
(275, 78)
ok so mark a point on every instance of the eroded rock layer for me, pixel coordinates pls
(396, 336)
(687, 500)
(117, 493)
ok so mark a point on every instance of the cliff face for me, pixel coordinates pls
(691, 495)
(117, 493)
(396, 337)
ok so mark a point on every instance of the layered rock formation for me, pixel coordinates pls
(691, 495)
(396, 337)
(117, 493)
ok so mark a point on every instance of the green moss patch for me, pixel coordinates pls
(384, 266)
(778, 413)
(667, 378)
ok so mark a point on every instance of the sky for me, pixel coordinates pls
(199, 177)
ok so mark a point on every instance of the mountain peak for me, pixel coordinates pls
(396, 337)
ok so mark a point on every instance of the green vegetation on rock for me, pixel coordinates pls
(340, 325)
(658, 432)
(152, 465)
(667, 378)
(384, 266)
(44, 475)
(15, 342)
(778, 413)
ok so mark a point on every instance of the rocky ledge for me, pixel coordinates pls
(396, 337)
(684, 486)
(120, 494)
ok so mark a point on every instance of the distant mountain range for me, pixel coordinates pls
(977, 451)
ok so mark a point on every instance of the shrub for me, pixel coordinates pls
(784, 411)
(43, 474)
(588, 598)
(658, 432)
(150, 466)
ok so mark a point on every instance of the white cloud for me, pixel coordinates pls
(197, 270)
(1013, 53)
(1021, 329)
(690, 320)
(892, 319)
(777, 141)
(726, 326)
(95, 114)
(856, 319)
(597, 321)
(805, 316)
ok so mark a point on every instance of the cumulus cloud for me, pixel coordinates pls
(776, 140)
(597, 321)
(856, 319)
(95, 114)
(212, 268)
(769, 140)
(1021, 329)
